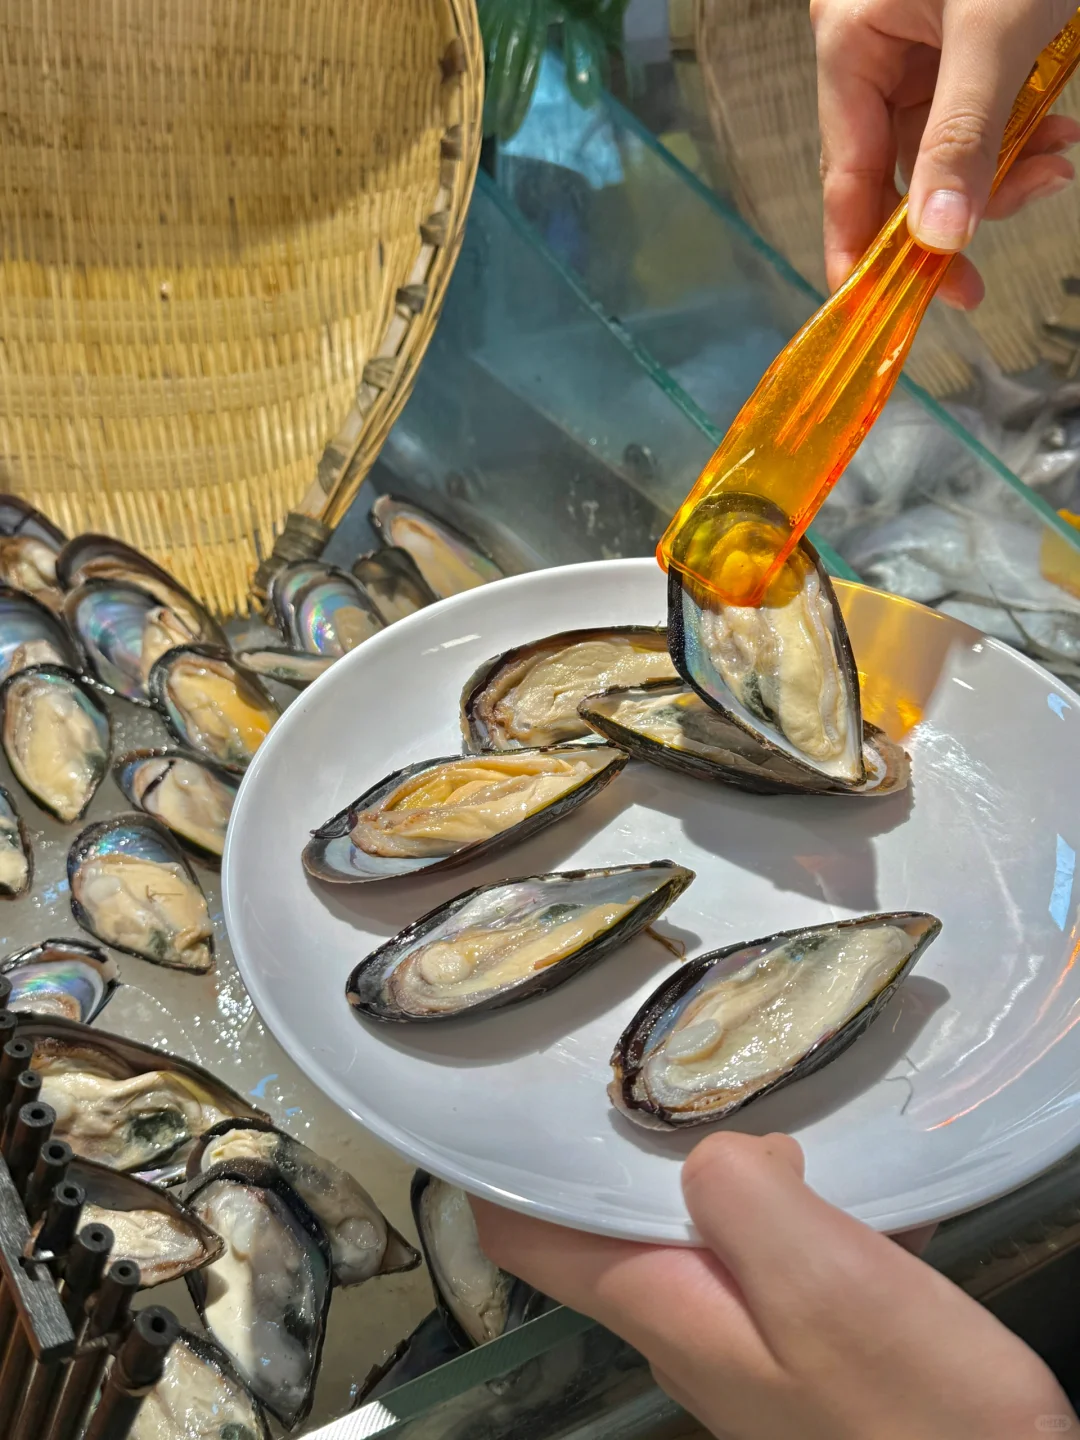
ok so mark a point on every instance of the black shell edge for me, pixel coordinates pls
(229, 777)
(34, 953)
(213, 1355)
(626, 1057)
(643, 915)
(158, 680)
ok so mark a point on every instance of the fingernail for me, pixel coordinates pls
(1052, 187)
(945, 222)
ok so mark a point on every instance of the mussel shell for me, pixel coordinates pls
(140, 836)
(393, 580)
(31, 635)
(109, 620)
(267, 1179)
(66, 682)
(122, 1058)
(518, 1302)
(71, 979)
(297, 668)
(397, 1255)
(19, 518)
(13, 836)
(632, 1051)
(662, 882)
(91, 557)
(233, 752)
(331, 855)
(449, 560)
(111, 1190)
(199, 1409)
(726, 753)
(327, 613)
(141, 775)
(690, 654)
(481, 726)
(429, 1346)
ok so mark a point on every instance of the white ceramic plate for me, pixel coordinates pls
(966, 1086)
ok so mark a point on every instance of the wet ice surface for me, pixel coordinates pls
(210, 1019)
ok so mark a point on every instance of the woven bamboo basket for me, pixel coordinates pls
(757, 62)
(226, 228)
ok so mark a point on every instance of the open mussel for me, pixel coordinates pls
(56, 736)
(132, 888)
(392, 579)
(69, 978)
(362, 1242)
(667, 723)
(265, 1300)
(444, 812)
(29, 546)
(478, 1301)
(122, 631)
(16, 856)
(90, 558)
(199, 1397)
(782, 670)
(189, 795)
(31, 635)
(506, 942)
(448, 560)
(164, 1238)
(212, 705)
(125, 1105)
(737, 1024)
(322, 610)
(530, 695)
(288, 667)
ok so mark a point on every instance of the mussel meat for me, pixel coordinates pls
(666, 723)
(122, 631)
(391, 577)
(132, 888)
(362, 1242)
(31, 635)
(739, 1023)
(288, 667)
(199, 1397)
(69, 978)
(782, 670)
(503, 943)
(190, 796)
(164, 1238)
(448, 560)
(56, 736)
(265, 1300)
(125, 1105)
(212, 705)
(478, 1301)
(530, 695)
(446, 811)
(16, 856)
(326, 612)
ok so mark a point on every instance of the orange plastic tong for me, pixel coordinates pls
(792, 439)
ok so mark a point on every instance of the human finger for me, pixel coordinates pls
(1034, 178)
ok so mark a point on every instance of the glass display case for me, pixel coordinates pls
(550, 430)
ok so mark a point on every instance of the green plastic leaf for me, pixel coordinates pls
(586, 61)
(523, 71)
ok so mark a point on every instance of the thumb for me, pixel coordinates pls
(986, 54)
